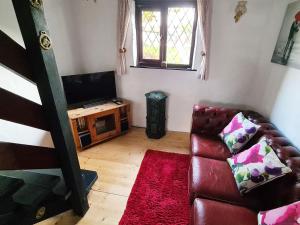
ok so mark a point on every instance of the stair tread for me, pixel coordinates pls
(29, 177)
(9, 185)
(89, 178)
(31, 195)
(5, 218)
(61, 188)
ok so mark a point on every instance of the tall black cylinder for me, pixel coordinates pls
(156, 114)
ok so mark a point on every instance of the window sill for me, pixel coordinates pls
(159, 68)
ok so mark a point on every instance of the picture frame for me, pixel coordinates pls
(287, 49)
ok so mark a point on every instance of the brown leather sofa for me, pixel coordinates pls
(212, 188)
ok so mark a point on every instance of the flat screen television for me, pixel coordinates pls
(84, 89)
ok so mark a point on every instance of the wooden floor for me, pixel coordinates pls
(117, 163)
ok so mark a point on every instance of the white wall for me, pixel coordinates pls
(83, 33)
(235, 56)
(286, 110)
(84, 36)
(277, 87)
(9, 131)
(76, 50)
(280, 99)
(8, 21)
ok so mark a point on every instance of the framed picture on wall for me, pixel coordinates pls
(287, 49)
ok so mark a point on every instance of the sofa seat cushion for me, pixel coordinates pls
(208, 212)
(209, 147)
(213, 179)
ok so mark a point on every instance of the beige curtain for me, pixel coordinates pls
(204, 17)
(124, 14)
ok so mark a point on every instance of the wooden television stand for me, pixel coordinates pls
(99, 123)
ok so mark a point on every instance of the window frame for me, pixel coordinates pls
(163, 8)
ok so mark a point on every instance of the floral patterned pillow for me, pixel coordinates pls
(256, 166)
(289, 214)
(238, 132)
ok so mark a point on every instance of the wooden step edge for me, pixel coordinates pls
(34, 178)
(9, 185)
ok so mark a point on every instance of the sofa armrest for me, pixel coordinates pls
(208, 120)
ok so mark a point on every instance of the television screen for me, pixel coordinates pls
(88, 88)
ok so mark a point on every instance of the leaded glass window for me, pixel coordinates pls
(166, 34)
(151, 34)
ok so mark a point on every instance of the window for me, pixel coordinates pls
(165, 33)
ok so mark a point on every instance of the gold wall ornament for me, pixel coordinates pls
(45, 41)
(36, 3)
(40, 213)
(240, 10)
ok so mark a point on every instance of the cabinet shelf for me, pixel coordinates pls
(99, 123)
(83, 131)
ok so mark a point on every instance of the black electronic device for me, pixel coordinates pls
(86, 89)
(117, 101)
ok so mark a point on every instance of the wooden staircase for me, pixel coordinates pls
(38, 182)
(29, 196)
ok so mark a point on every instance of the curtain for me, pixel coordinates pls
(124, 16)
(204, 8)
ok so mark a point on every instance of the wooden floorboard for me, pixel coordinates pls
(117, 163)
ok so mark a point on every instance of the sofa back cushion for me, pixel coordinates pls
(238, 132)
(256, 166)
(211, 120)
(289, 214)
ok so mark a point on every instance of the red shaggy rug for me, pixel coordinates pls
(160, 193)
